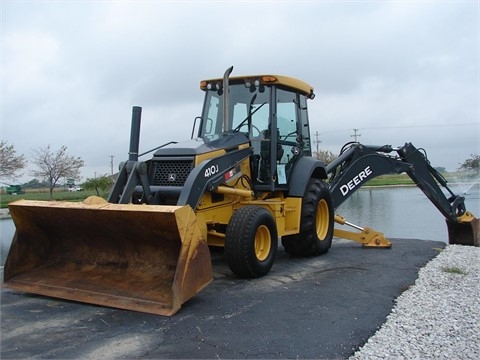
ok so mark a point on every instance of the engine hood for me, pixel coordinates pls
(198, 146)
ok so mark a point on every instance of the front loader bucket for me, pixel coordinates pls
(148, 258)
(464, 232)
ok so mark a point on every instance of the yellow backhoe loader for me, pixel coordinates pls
(245, 179)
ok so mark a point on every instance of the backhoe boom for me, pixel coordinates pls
(359, 163)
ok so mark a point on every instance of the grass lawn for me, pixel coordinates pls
(62, 195)
(390, 180)
(43, 194)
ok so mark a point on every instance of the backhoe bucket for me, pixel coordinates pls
(148, 258)
(464, 232)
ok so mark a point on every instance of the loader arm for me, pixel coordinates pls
(208, 175)
(130, 175)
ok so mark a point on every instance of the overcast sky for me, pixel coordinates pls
(397, 71)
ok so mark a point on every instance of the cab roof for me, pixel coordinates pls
(284, 81)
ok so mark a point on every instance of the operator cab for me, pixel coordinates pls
(272, 112)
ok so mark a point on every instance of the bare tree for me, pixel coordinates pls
(52, 166)
(471, 165)
(10, 162)
(325, 155)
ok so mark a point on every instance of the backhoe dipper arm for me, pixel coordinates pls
(428, 180)
(359, 163)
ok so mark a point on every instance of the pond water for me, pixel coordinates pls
(7, 229)
(403, 212)
(398, 212)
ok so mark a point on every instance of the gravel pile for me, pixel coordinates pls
(438, 317)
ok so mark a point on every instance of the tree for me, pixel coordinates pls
(10, 162)
(52, 166)
(102, 183)
(471, 165)
(325, 156)
(35, 184)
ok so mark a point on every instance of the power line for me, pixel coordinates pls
(404, 127)
(420, 126)
(355, 135)
(317, 141)
(111, 164)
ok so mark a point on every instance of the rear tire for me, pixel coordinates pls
(251, 242)
(316, 223)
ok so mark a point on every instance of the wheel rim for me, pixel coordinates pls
(262, 243)
(322, 220)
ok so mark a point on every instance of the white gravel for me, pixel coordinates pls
(438, 317)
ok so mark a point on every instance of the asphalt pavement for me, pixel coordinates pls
(324, 307)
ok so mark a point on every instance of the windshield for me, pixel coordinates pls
(278, 136)
(249, 111)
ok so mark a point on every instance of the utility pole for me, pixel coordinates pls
(355, 135)
(317, 142)
(111, 164)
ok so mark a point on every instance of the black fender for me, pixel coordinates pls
(304, 169)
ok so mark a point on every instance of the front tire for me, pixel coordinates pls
(316, 223)
(251, 242)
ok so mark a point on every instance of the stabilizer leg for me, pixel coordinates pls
(367, 236)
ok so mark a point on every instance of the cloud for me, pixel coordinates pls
(397, 71)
